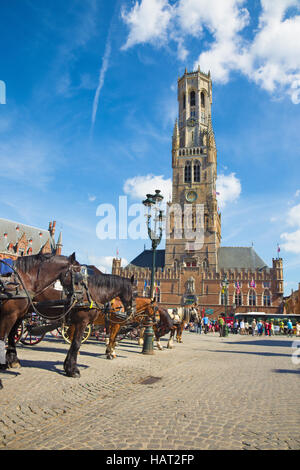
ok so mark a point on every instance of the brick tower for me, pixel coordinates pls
(194, 222)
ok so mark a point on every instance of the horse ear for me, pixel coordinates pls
(132, 279)
(72, 257)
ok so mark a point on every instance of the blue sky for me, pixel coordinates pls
(91, 103)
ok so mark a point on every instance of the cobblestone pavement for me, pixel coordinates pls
(207, 393)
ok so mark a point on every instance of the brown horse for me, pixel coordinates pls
(180, 317)
(163, 326)
(144, 307)
(33, 274)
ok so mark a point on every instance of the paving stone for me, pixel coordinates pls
(213, 394)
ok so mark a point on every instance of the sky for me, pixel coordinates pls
(88, 101)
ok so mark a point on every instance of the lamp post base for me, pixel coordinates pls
(148, 339)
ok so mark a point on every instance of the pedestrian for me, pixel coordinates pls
(246, 327)
(205, 323)
(196, 320)
(266, 328)
(259, 328)
(281, 326)
(221, 326)
(253, 326)
(290, 330)
(242, 327)
(298, 328)
(235, 327)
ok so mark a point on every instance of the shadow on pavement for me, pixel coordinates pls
(53, 366)
(267, 354)
(265, 342)
(286, 371)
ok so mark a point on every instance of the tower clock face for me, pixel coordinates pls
(191, 196)
(191, 122)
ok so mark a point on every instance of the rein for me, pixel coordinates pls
(59, 317)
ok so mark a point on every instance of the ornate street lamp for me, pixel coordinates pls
(225, 285)
(155, 234)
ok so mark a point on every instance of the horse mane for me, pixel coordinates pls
(26, 263)
(110, 281)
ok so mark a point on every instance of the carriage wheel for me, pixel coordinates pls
(65, 333)
(29, 339)
(20, 332)
(56, 333)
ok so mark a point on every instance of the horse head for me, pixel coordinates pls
(41, 270)
(128, 294)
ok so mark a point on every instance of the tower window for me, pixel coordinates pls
(183, 101)
(188, 172)
(197, 172)
(193, 98)
(202, 99)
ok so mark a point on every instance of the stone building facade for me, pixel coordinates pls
(22, 240)
(194, 266)
(292, 302)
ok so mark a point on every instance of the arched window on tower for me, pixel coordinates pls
(202, 99)
(193, 98)
(188, 172)
(183, 101)
(197, 171)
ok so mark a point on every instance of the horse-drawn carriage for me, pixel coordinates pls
(30, 287)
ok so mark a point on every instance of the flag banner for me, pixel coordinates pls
(252, 283)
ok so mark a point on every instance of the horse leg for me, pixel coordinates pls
(70, 364)
(157, 338)
(110, 349)
(170, 342)
(11, 352)
(141, 337)
(7, 321)
(179, 333)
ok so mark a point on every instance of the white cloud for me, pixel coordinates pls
(292, 239)
(148, 22)
(102, 73)
(138, 186)
(229, 188)
(271, 59)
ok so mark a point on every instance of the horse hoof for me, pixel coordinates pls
(14, 365)
(3, 366)
(74, 375)
(1, 386)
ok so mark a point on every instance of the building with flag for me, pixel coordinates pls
(190, 272)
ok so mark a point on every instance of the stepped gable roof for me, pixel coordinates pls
(239, 257)
(144, 259)
(38, 236)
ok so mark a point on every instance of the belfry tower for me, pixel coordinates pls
(194, 222)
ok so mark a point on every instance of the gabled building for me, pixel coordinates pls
(193, 269)
(18, 239)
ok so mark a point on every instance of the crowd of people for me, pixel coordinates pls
(203, 324)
